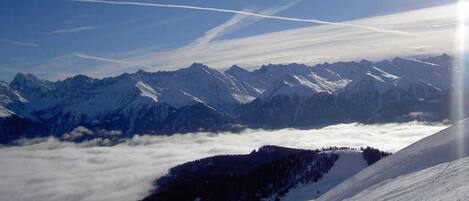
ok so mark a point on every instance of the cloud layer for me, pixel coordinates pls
(433, 33)
(52, 170)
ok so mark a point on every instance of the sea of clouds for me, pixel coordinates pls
(53, 170)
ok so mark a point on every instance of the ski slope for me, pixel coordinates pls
(349, 163)
(447, 181)
(445, 146)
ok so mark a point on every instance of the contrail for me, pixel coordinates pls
(19, 43)
(71, 30)
(84, 56)
(314, 21)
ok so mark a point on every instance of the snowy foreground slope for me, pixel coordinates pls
(349, 163)
(418, 161)
(447, 181)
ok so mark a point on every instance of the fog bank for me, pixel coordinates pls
(53, 170)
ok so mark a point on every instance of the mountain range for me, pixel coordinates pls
(199, 98)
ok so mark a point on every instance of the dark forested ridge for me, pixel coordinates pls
(270, 172)
(372, 155)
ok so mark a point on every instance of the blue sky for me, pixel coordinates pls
(55, 38)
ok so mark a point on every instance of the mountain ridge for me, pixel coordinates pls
(199, 98)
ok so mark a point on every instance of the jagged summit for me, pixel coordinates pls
(444, 60)
(141, 71)
(365, 62)
(440, 60)
(236, 70)
(29, 82)
(25, 78)
(198, 66)
(80, 78)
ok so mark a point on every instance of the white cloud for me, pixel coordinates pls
(434, 27)
(77, 132)
(53, 170)
(74, 29)
(327, 43)
(236, 22)
(81, 131)
(18, 43)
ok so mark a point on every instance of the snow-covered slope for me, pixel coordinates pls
(5, 112)
(8, 96)
(293, 85)
(349, 163)
(446, 181)
(147, 91)
(438, 75)
(198, 83)
(446, 146)
(289, 80)
(301, 80)
(370, 82)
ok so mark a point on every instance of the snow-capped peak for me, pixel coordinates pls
(235, 70)
(28, 81)
(198, 66)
